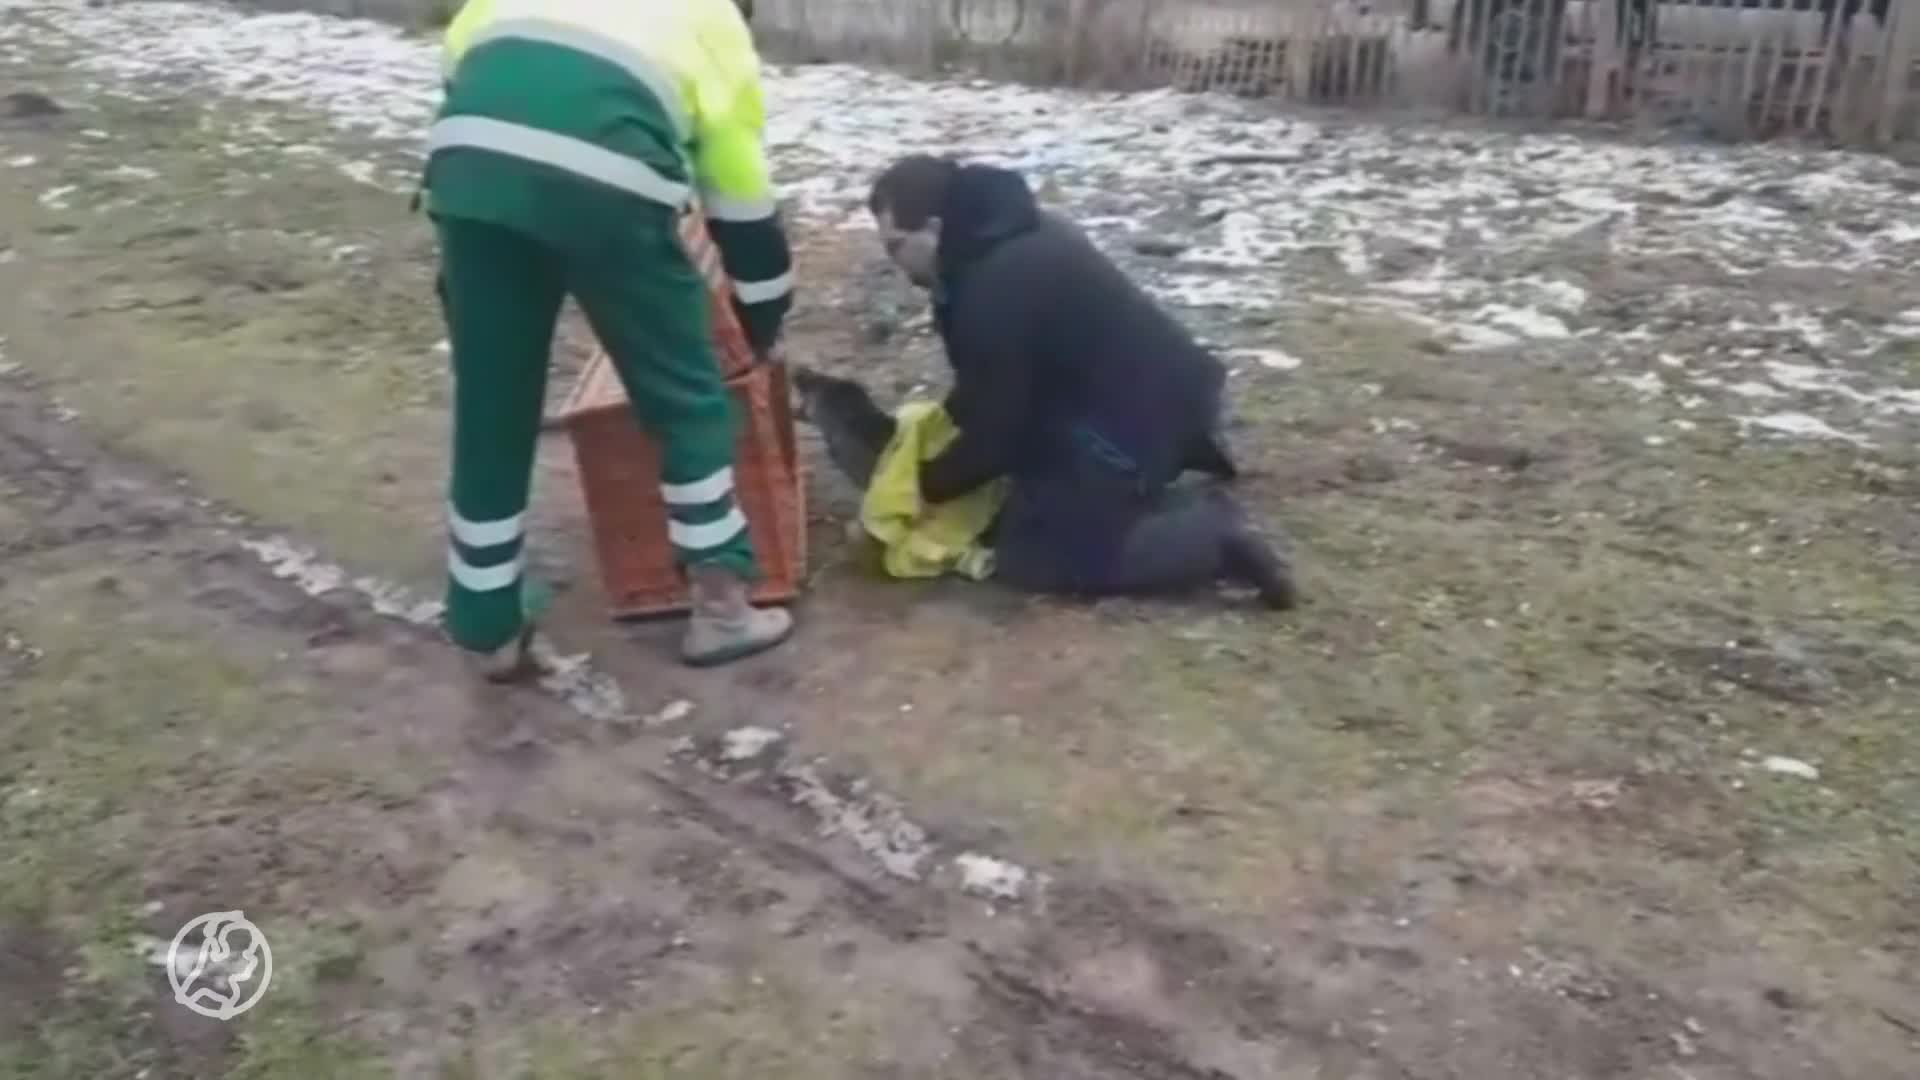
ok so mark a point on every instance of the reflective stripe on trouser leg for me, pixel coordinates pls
(485, 571)
(704, 519)
(649, 305)
(703, 532)
(503, 293)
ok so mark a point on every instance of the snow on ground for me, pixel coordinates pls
(1763, 283)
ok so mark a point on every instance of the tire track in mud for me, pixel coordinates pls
(59, 482)
(507, 753)
(875, 905)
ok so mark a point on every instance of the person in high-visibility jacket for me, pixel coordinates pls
(573, 134)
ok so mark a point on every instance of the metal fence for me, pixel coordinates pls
(1737, 68)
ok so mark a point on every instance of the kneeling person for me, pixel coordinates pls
(1071, 381)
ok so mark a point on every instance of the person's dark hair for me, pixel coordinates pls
(912, 189)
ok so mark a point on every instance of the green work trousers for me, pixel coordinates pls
(649, 306)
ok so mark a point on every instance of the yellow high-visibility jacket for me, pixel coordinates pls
(652, 99)
(916, 540)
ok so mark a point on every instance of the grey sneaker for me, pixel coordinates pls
(724, 626)
(514, 662)
(519, 660)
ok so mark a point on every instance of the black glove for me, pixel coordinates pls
(762, 329)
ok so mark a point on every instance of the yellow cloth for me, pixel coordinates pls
(919, 541)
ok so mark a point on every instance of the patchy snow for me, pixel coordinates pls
(365, 172)
(1801, 426)
(1525, 322)
(585, 689)
(303, 566)
(746, 743)
(1807, 379)
(983, 875)
(1751, 389)
(873, 822)
(160, 953)
(1271, 359)
(671, 713)
(1645, 383)
(1786, 766)
(12, 644)
(572, 679)
(1739, 262)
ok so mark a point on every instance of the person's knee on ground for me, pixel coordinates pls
(1196, 538)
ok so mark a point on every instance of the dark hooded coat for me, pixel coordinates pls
(1068, 378)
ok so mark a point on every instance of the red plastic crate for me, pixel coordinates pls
(619, 466)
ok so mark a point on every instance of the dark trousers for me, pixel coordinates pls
(1077, 524)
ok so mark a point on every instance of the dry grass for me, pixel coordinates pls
(1537, 654)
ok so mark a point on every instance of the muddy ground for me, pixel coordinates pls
(1502, 801)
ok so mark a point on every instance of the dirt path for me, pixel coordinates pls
(453, 863)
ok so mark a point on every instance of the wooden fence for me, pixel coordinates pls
(1842, 69)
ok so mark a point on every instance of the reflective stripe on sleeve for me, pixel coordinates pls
(759, 292)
